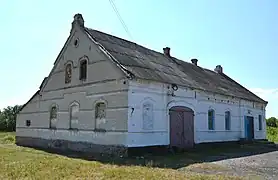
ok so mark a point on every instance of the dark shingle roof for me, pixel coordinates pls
(151, 65)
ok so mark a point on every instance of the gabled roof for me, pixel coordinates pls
(148, 64)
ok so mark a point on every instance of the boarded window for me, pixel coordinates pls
(100, 110)
(53, 117)
(83, 70)
(74, 110)
(260, 122)
(227, 120)
(147, 116)
(68, 73)
(211, 123)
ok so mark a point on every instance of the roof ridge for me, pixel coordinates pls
(128, 41)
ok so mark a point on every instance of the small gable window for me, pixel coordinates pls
(227, 120)
(147, 116)
(83, 70)
(260, 122)
(74, 110)
(211, 116)
(53, 117)
(68, 73)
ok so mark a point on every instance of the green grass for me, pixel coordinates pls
(26, 163)
(272, 134)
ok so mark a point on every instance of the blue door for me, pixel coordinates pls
(249, 127)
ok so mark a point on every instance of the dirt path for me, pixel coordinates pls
(264, 165)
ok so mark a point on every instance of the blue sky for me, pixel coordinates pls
(242, 36)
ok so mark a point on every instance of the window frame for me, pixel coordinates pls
(68, 79)
(144, 127)
(51, 117)
(260, 121)
(213, 120)
(83, 71)
(228, 118)
(70, 114)
(97, 118)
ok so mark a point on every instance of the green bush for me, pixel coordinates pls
(272, 134)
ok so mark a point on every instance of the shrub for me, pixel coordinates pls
(272, 122)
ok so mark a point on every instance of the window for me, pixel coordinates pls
(76, 42)
(147, 116)
(211, 119)
(68, 73)
(260, 122)
(74, 109)
(83, 70)
(28, 123)
(100, 115)
(227, 120)
(100, 110)
(53, 117)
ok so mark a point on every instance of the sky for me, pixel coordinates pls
(242, 36)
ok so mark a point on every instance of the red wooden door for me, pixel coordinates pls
(181, 127)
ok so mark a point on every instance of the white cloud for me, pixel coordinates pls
(270, 95)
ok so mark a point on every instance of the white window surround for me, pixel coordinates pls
(73, 111)
(147, 116)
(53, 112)
(100, 107)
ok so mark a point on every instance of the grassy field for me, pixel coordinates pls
(272, 134)
(26, 163)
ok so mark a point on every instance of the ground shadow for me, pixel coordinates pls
(174, 160)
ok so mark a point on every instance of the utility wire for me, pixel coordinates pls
(120, 18)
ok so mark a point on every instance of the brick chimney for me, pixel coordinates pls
(194, 61)
(78, 20)
(166, 51)
(218, 69)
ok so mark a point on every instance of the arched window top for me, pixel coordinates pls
(227, 113)
(74, 103)
(211, 112)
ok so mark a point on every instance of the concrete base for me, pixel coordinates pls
(64, 145)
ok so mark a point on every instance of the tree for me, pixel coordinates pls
(272, 122)
(8, 118)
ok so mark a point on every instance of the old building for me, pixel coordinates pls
(106, 94)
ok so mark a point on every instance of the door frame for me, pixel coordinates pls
(252, 129)
(173, 108)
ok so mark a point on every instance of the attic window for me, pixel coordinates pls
(76, 42)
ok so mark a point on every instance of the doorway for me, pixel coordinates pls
(181, 127)
(249, 127)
